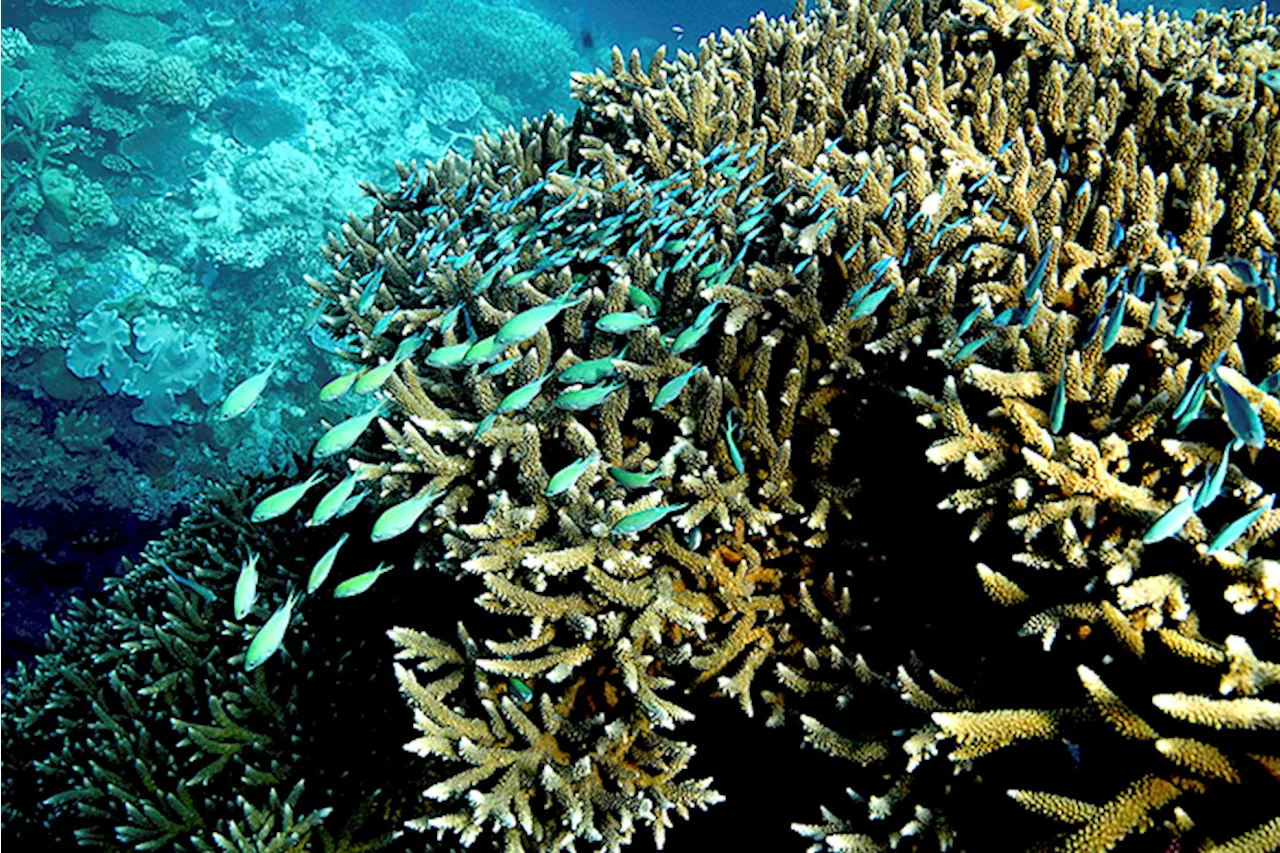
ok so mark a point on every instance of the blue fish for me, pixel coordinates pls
(1228, 535)
(1241, 417)
(1058, 405)
(1173, 520)
(1037, 274)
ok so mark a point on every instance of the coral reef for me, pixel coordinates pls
(657, 390)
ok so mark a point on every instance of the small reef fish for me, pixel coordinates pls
(870, 303)
(402, 516)
(267, 641)
(566, 477)
(528, 323)
(448, 357)
(520, 398)
(642, 520)
(735, 455)
(1058, 405)
(1241, 417)
(1213, 481)
(322, 567)
(632, 480)
(1171, 522)
(522, 691)
(591, 372)
(582, 399)
(246, 587)
(335, 388)
(672, 389)
(327, 509)
(622, 322)
(342, 435)
(482, 351)
(193, 585)
(245, 395)
(1228, 535)
(375, 378)
(360, 583)
(276, 505)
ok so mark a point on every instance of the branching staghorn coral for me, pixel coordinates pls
(851, 206)
(645, 381)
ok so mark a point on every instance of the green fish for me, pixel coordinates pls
(644, 519)
(482, 351)
(1213, 481)
(1058, 405)
(528, 323)
(333, 499)
(350, 504)
(622, 322)
(502, 367)
(448, 357)
(324, 564)
(246, 587)
(1228, 535)
(583, 399)
(639, 299)
(360, 583)
(593, 371)
(267, 641)
(402, 516)
(522, 691)
(276, 505)
(632, 480)
(518, 399)
(564, 479)
(335, 388)
(672, 389)
(245, 395)
(195, 586)
(375, 378)
(1171, 522)
(734, 454)
(1241, 417)
(341, 436)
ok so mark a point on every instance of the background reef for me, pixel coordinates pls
(899, 381)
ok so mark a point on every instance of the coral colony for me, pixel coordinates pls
(615, 374)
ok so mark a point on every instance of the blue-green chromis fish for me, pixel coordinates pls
(735, 455)
(402, 516)
(969, 349)
(267, 641)
(1171, 522)
(582, 399)
(245, 395)
(1233, 531)
(360, 583)
(1241, 417)
(333, 500)
(688, 339)
(375, 378)
(350, 504)
(1058, 405)
(639, 299)
(482, 351)
(485, 423)
(622, 322)
(520, 398)
(566, 477)
(672, 389)
(632, 480)
(324, 565)
(869, 303)
(528, 323)
(246, 587)
(193, 585)
(1213, 481)
(276, 505)
(341, 436)
(502, 367)
(448, 356)
(522, 691)
(644, 519)
(335, 388)
(590, 372)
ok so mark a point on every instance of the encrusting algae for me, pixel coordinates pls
(636, 362)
